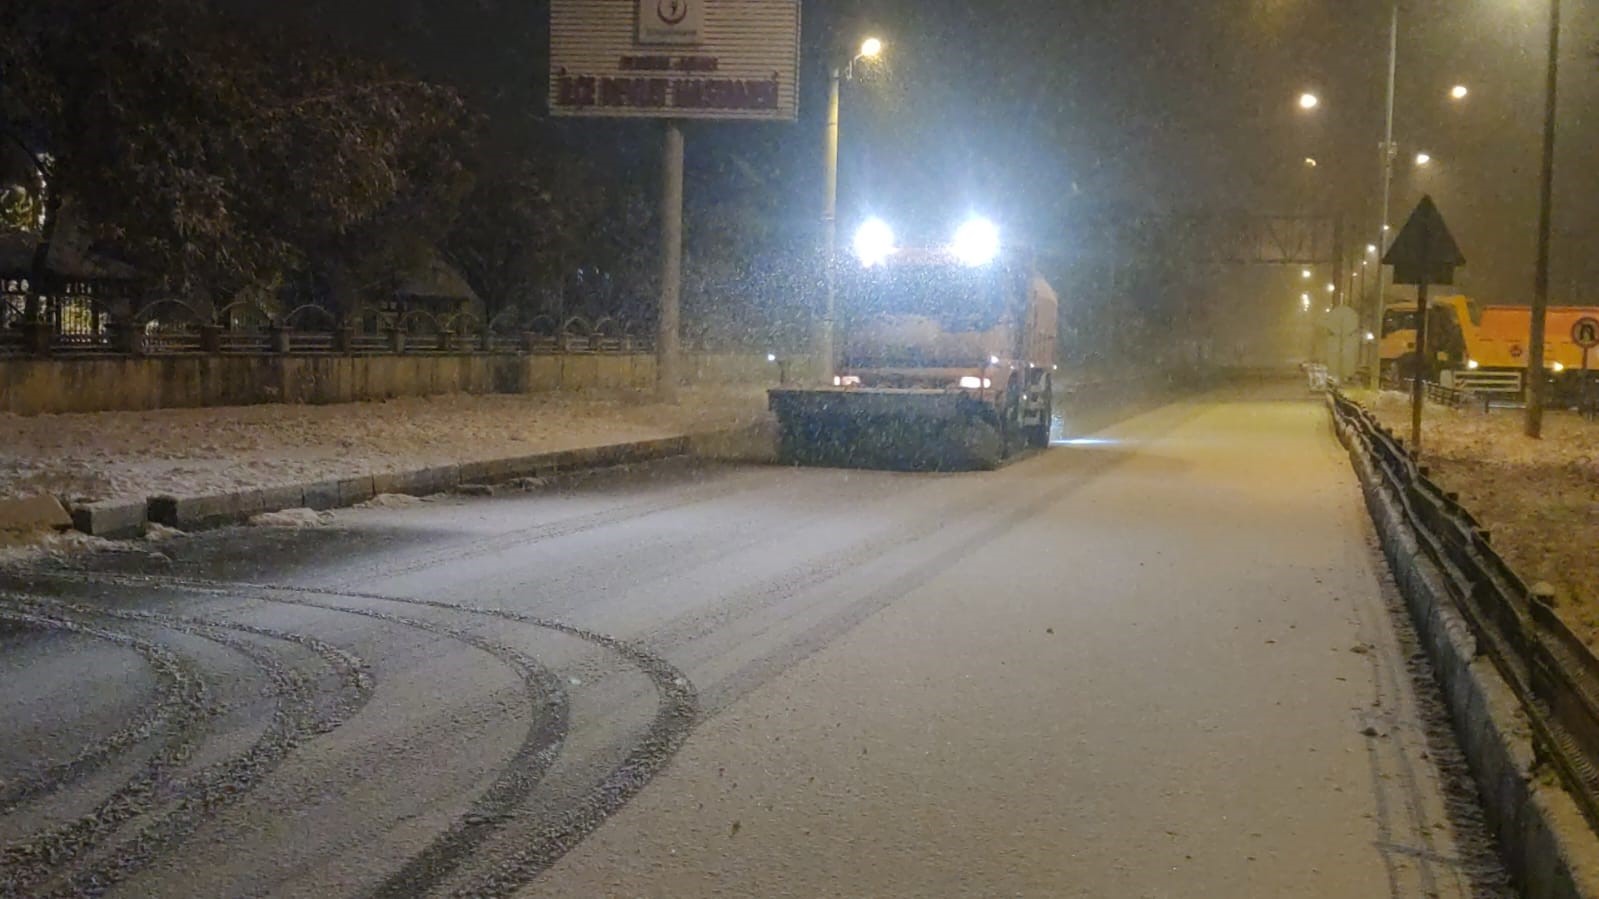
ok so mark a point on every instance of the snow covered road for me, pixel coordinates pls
(1165, 662)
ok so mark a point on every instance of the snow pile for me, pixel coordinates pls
(17, 547)
(292, 518)
(156, 532)
(390, 501)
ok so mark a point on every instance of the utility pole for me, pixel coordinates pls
(1387, 191)
(1536, 387)
(825, 349)
(667, 338)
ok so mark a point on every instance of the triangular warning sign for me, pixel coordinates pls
(1424, 251)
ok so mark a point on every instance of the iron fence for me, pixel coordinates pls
(1552, 671)
(80, 325)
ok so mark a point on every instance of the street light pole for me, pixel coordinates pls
(1536, 386)
(827, 360)
(826, 338)
(1387, 191)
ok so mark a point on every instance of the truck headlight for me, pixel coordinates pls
(1557, 368)
(1472, 364)
(874, 242)
(977, 242)
(972, 382)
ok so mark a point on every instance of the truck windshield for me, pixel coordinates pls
(958, 298)
(1398, 320)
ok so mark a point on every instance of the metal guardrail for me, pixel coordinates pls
(1551, 670)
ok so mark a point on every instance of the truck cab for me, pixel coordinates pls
(921, 320)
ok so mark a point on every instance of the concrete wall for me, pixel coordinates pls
(126, 383)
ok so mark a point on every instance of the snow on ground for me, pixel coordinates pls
(1539, 498)
(292, 518)
(196, 451)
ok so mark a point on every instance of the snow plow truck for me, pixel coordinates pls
(947, 359)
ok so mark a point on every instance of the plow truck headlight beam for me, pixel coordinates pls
(977, 242)
(874, 242)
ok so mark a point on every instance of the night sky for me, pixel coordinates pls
(1045, 114)
(1045, 109)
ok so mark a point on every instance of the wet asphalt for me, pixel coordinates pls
(1160, 658)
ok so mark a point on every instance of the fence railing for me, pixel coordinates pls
(1451, 397)
(1551, 670)
(171, 327)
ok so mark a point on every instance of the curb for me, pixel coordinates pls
(39, 511)
(130, 517)
(1545, 839)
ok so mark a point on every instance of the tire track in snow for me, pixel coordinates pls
(677, 711)
(296, 717)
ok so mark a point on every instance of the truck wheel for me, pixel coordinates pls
(1038, 435)
(1011, 434)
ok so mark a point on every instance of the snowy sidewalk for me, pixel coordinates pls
(104, 455)
(210, 466)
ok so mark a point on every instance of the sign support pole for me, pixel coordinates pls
(1418, 389)
(667, 355)
(1587, 386)
(1585, 334)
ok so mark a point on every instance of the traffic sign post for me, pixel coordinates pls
(674, 60)
(1585, 333)
(1424, 253)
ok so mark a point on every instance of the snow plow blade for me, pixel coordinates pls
(902, 430)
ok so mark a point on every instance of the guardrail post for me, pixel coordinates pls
(210, 338)
(344, 339)
(127, 337)
(446, 339)
(397, 338)
(529, 342)
(277, 338)
(36, 337)
(485, 340)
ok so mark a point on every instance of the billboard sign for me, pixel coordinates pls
(675, 59)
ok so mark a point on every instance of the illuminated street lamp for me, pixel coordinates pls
(1423, 159)
(871, 48)
(1304, 273)
(1310, 162)
(1332, 288)
(1459, 92)
(1309, 101)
